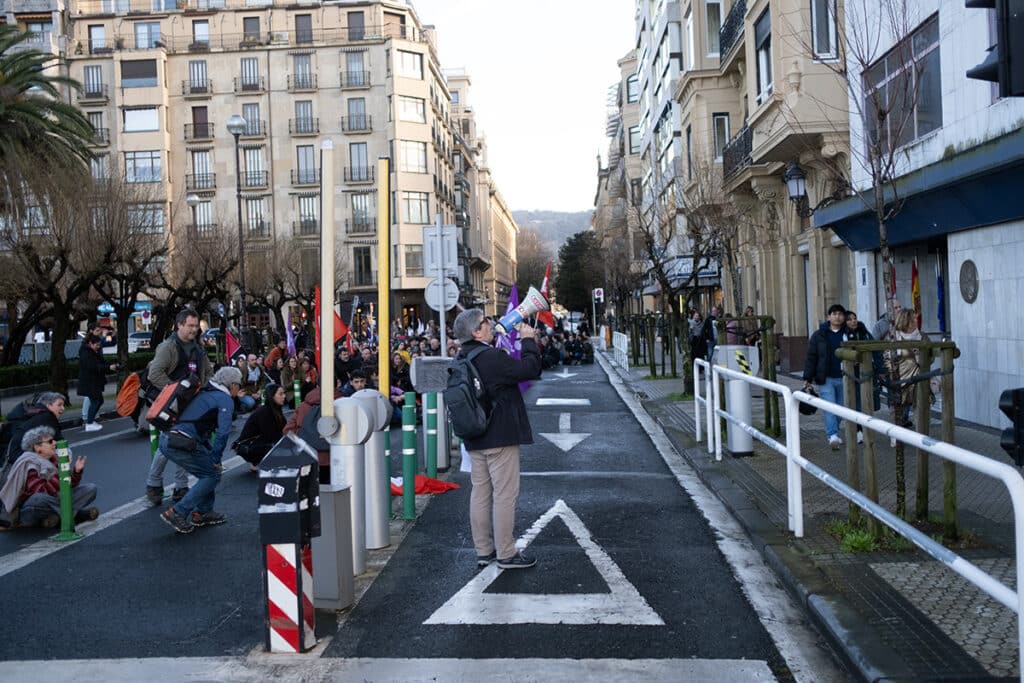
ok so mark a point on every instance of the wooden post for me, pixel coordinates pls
(852, 466)
(867, 402)
(922, 417)
(949, 522)
(652, 359)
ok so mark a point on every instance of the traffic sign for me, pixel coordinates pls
(432, 251)
(599, 294)
(432, 294)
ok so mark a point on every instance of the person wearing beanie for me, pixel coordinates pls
(263, 428)
(188, 444)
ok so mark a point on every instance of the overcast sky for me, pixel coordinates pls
(540, 73)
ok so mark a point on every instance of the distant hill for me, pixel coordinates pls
(554, 227)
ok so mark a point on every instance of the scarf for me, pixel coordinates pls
(11, 491)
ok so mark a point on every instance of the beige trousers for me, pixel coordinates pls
(492, 503)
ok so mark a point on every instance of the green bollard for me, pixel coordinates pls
(298, 389)
(67, 512)
(154, 441)
(409, 456)
(431, 402)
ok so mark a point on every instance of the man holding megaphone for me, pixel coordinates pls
(495, 454)
(534, 302)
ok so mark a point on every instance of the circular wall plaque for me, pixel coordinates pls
(969, 281)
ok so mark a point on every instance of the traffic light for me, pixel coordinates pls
(1005, 61)
(1011, 402)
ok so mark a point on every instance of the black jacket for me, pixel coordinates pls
(92, 372)
(501, 375)
(43, 418)
(266, 423)
(816, 366)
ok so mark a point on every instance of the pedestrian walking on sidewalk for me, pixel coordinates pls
(188, 445)
(825, 370)
(92, 378)
(495, 455)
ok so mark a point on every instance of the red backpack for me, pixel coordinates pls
(167, 407)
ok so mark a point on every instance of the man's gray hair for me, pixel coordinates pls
(35, 436)
(467, 323)
(227, 376)
(48, 397)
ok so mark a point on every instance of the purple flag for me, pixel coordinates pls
(289, 335)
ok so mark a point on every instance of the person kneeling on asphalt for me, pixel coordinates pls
(188, 444)
(30, 493)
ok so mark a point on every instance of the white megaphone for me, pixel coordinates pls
(534, 302)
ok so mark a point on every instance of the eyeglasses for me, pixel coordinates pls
(49, 441)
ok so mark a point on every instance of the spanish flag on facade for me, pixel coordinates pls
(915, 291)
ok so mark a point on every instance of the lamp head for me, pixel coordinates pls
(796, 181)
(192, 199)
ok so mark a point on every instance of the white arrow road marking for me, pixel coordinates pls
(564, 374)
(563, 402)
(623, 605)
(565, 439)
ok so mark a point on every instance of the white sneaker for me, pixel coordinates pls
(860, 437)
(93, 426)
(835, 442)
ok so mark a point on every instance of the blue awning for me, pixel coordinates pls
(980, 186)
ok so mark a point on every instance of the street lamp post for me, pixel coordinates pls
(236, 126)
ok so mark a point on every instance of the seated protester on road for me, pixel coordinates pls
(263, 428)
(573, 350)
(302, 423)
(356, 382)
(368, 358)
(345, 362)
(289, 373)
(400, 371)
(280, 350)
(552, 352)
(588, 352)
(209, 414)
(253, 381)
(308, 377)
(30, 492)
(274, 373)
(44, 412)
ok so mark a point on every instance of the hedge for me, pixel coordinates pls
(39, 373)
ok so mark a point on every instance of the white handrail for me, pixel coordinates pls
(699, 400)
(1010, 477)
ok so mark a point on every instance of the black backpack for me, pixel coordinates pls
(463, 397)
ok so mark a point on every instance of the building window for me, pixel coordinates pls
(147, 34)
(310, 266)
(414, 260)
(146, 218)
(203, 216)
(356, 25)
(200, 33)
(96, 120)
(303, 28)
(359, 160)
(306, 159)
(361, 204)
(138, 73)
(412, 109)
(363, 266)
(197, 80)
(142, 167)
(455, 97)
(691, 49)
(416, 207)
(309, 212)
(98, 167)
(250, 73)
(254, 215)
(713, 17)
(251, 29)
(634, 139)
(138, 120)
(410, 64)
(97, 37)
(632, 89)
(823, 28)
(357, 114)
(414, 156)
(92, 82)
(721, 130)
(906, 86)
(355, 69)
(763, 48)
(302, 68)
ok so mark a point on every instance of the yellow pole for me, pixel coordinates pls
(384, 276)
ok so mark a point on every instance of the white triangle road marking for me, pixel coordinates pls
(622, 606)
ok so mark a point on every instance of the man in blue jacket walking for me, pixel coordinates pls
(188, 445)
(825, 370)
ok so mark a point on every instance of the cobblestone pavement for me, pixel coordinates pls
(937, 624)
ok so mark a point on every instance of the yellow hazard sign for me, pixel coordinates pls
(743, 362)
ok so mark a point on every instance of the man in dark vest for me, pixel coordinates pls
(176, 358)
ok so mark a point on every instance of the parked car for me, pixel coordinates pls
(138, 341)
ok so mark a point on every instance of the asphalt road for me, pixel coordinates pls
(631, 571)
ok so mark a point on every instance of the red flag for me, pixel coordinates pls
(231, 346)
(340, 328)
(545, 316)
(915, 291)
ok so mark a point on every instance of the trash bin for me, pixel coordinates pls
(737, 394)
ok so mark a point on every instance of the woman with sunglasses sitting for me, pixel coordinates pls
(30, 492)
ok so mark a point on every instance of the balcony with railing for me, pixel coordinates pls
(253, 179)
(251, 84)
(306, 227)
(301, 82)
(305, 176)
(197, 88)
(362, 278)
(732, 30)
(101, 137)
(258, 229)
(204, 231)
(736, 154)
(94, 92)
(200, 181)
(199, 131)
(254, 129)
(304, 126)
(359, 174)
(361, 123)
(355, 79)
(360, 225)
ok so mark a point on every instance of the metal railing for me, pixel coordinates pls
(305, 126)
(255, 178)
(301, 82)
(200, 181)
(361, 279)
(796, 463)
(353, 226)
(257, 84)
(204, 230)
(620, 343)
(101, 136)
(199, 131)
(732, 27)
(94, 91)
(736, 154)
(359, 174)
(360, 122)
(306, 227)
(306, 176)
(197, 88)
(254, 129)
(698, 400)
(257, 229)
(355, 79)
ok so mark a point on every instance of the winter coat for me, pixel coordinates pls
(92, 372)
(501, 375)
(264, 427)
(816, 365)
(908, 361)
(44, 418)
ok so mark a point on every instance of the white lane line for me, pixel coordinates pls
(86, 442)
(40, 549)
(786, 624)
(563, 402)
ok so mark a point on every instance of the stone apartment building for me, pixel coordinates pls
(162, 78)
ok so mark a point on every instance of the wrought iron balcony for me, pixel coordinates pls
(306, 227)
(300, 82)
(200, 181)
(204, 230)
(250, 84)
(258, 228)
(306, 176)
(255, 179)
(199, 131)
(732, 27)
(304, 126)
(101, 136)
(361, 123)
(364, 279)
(254, 129)
(360, 225)
(94, 92)
(736, 154)
(197, 88)
(359, 174)
(355, 79)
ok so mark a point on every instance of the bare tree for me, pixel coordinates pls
(532, 257)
